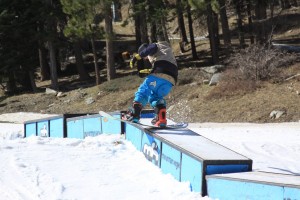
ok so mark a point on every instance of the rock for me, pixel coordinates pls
(50, 91)
(206, 81)
(215, 79)
(60, 94)
(275, 114)
(213, 69)
(194, 84)
(89, 100)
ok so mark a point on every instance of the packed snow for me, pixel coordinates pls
(109, 167)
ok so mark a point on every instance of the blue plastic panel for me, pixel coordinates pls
(148, 115)
(170, 161)
(57, 127)
(43, 128)
(236, 190)
(30, 129)
(75, 129)
(134, 135)
(92, 126)
(191, 171)
(111, 126)
(151, 147)
(222, 169)
(291, 193)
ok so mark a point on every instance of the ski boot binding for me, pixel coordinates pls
(134, 113)
(160, 119)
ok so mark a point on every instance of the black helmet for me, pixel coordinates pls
(142, 47)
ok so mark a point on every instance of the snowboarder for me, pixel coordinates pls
(158, 84)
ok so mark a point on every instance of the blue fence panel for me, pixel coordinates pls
(228, 168)
(75, 129)
(92, 126)
(57, 127)
(134, 135)
(43, 128)
(111, 126)
(236, 190)
(291, 193)
(191, 170)
(151, 147)
(30, 129)
(171, 160)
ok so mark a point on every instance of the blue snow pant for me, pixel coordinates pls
(152, 91)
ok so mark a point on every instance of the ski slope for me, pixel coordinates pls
(109, 167)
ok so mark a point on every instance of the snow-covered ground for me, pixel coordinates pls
(109, 167)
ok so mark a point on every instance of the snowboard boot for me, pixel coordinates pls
(160, 119)
(134, 113)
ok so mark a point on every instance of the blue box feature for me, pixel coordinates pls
(111, 126)
(92, 126)
(57, 127)
(148, 113)
(84, 126)
(291, 193)
(54, 126)
(43, 128)
(151, 147)
(191, 170)
(253, 185)
(237, 190)
(30, 129)
(134, 135)
(75, 128)
(185, 154)
(171, 161)
(227, 168)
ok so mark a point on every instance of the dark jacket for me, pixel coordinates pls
(162, 59)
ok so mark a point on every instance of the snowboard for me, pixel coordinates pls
(169, 126)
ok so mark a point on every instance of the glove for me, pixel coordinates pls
(145, 71)
(134, 59)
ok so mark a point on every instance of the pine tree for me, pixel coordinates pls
(83, 22)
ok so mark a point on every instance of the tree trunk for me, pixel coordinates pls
(250, 23)
(295, 3)
(164, 29)
(83, 75)
(53, 66)
(153, 30)
(32, 81)
(190, 22)
(111, 70)
(143, 27)
(11, 84)
(224, 22)
(238, 6)
(216, 28)
(287, 4)
(212, 39)
(45, 70)
(153, 26)
(137, 24)
(97, 72)
(261, 14)
(52, 53)
(180, 21)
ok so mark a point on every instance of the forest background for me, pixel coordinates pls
(238, 59)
